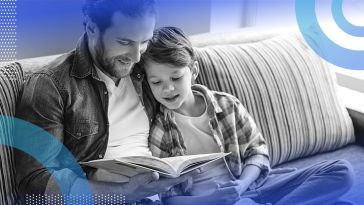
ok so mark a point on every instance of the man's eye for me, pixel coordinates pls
(124, 43)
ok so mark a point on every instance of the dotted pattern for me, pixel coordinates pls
(8, 33)
(58, 199)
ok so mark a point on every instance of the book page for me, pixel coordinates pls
(116, 167)
(124, 168)
(151, 162)
(168, 167)
(180, 163)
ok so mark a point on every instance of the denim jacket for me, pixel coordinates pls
(68, 100)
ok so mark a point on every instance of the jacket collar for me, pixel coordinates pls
(82, 63)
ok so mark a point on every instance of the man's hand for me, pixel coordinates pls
(148, 184)
(137, 188)
(106, 176)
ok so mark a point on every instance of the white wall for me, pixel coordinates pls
(226, 15)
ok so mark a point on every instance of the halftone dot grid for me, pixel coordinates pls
(58, 199)
(8, 31)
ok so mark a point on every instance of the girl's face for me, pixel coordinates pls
(171, 85)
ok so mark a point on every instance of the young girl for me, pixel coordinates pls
(195, 120)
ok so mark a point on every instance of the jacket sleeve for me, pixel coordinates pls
(253, 147)
(37, 164)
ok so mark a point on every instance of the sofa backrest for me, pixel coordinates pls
(11, 79)
(285, 86)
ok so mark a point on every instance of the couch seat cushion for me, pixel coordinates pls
(346, 153)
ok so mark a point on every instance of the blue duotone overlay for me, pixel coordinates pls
(39, 144)
(319, 41)
(342, 22)
(49, 27)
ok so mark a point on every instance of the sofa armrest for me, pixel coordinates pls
(353, 101)
(358, 121)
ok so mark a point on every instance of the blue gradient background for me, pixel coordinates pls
(47, 27)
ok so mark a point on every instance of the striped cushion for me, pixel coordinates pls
(11, 79)
(288, 90)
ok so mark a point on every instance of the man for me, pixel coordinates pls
(92, 100)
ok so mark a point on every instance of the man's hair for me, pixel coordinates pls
(101, 11)
(170, 45)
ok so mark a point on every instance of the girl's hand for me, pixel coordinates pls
(246, 201)
(224, 196)
(239, 185)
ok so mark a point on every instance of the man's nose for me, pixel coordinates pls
(135, 53)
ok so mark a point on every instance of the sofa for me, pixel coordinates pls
(289, 90)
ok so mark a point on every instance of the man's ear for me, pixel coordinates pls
(90, 27)
(195, 69)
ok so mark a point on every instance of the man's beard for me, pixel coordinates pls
(110, 65)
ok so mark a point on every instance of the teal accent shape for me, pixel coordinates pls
(39, 144)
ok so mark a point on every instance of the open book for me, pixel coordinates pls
(170, 167)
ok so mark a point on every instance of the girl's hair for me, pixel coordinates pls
(170, 45)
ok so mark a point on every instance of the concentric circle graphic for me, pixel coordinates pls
(321, 43)
(342, 22)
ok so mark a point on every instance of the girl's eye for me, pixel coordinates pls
(155, 83)
(176, 78)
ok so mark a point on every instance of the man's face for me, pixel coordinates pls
(120, 46)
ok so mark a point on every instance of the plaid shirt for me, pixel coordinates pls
(234, 130)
